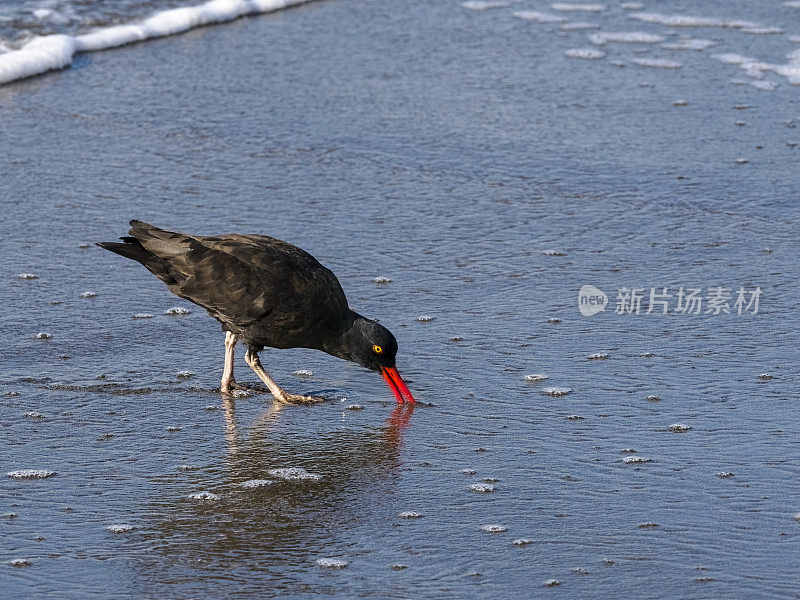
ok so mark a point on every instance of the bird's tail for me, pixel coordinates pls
(131, 247)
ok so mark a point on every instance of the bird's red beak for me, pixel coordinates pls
(397, 385)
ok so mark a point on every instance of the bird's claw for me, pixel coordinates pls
(232, 387)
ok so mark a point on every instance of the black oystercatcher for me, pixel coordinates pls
(265, 292)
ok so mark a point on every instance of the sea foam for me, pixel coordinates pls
(688, 21)
(626, 37)
(54, 52)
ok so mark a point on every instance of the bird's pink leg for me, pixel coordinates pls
(228, 382)
(280, 395)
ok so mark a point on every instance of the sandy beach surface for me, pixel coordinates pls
(489, 166)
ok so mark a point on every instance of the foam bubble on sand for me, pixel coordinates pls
(535, 377)
(730, 58)
(294, 474)
(142, 316)
(409, 514)
(764, 86)
(51, 52)
(204, 495)
(538, 17)
(19, 562)
(252, 484)
(656, 63)
(689, 44)
(522, 542)
(177, 310)
(303, 373)
(331, 563)
(587, 53)
(43, 335)
(632, 460)
(762, 30)
(679, 428)
(120, 528)
(625, 37)
(89, 294)
(484, 4)
(556, 391)
(569, 7)
(28, 276)
(494, 528)
(687, 21)
(31, 474)
(481, 488)
(578, 26)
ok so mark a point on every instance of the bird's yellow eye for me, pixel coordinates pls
(377, 349)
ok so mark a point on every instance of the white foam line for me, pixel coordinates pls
(53, 52)
(756, 69)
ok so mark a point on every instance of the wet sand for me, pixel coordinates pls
(462, 155)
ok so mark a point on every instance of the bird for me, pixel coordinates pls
(265, 293)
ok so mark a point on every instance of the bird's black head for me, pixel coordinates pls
(373, 346)
(370, 344)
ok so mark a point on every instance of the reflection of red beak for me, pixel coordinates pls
(397, 385)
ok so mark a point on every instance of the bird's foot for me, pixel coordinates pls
(287, 398)
(228, 387)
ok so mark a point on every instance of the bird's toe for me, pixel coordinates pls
(230, 387)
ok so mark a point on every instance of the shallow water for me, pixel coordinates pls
(466, 157)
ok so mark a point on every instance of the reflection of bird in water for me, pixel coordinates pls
(267, 293)
(269, 530)
(399, 420)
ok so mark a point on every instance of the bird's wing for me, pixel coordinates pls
(299, 284)
(241, 279)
